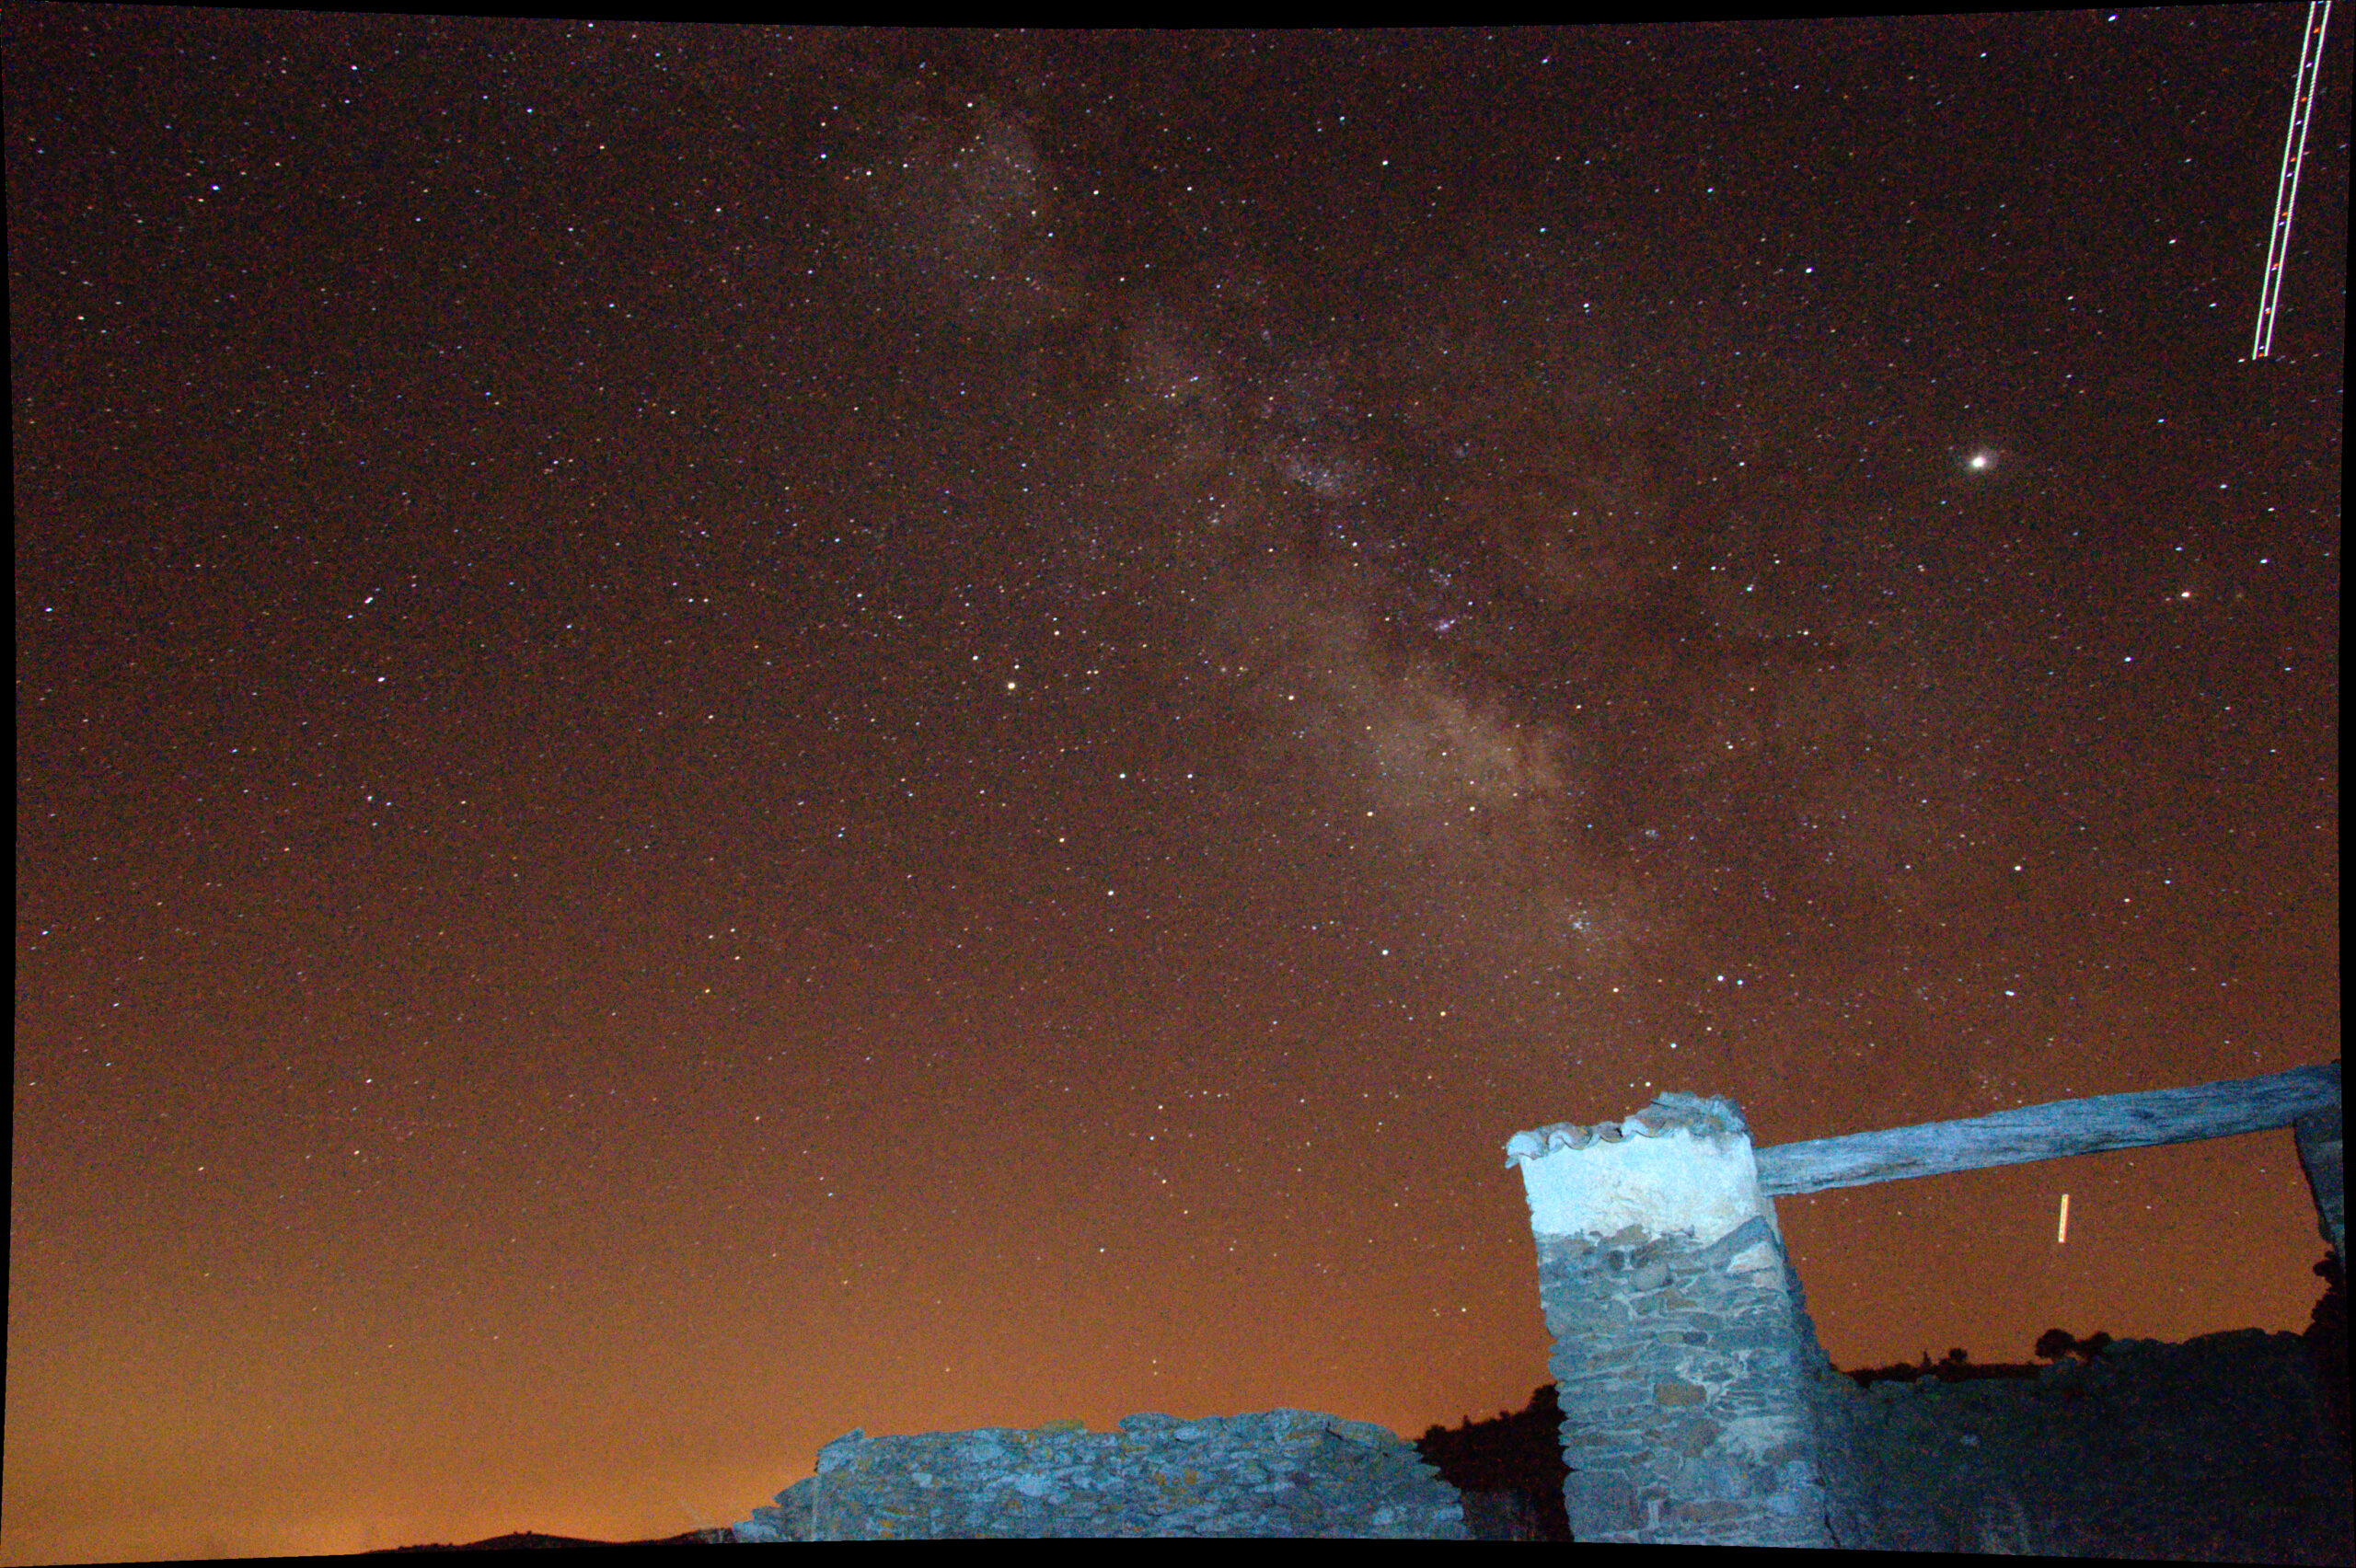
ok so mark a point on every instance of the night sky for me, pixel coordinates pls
(723, 734)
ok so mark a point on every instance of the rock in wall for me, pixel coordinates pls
(1282, 1472)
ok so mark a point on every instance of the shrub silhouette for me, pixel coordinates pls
(2055, 1343)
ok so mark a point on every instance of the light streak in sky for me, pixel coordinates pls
(2062, 1233)
(2286, 189)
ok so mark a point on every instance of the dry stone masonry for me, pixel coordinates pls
(2228, 1448)
(1699, 1407)
(1280, 1473)
(1685, 1361)
(2218, 1449)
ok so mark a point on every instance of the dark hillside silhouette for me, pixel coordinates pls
(532, 1540)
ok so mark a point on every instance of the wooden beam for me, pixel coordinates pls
(2052, 1131)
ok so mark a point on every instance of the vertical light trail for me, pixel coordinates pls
(2286, 188)
(2062, 1234)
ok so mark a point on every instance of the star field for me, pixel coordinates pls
(725, 733)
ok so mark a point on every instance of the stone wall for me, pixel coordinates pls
(1699, 1407)
(2218, 1449)
(1687, 1366)
(1283, 1473)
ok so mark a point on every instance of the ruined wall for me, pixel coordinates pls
(1686, 1363)
(2218, 1449)
(1282, 1472)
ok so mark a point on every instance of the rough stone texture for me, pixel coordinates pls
(2216, 1450)
(1283, 1473)
(1698, 1405)
(1686, 1363)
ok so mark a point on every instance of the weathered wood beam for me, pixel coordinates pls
(2052, 1131)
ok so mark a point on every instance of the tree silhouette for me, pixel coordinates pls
(2055, 1343)
(1518, 1453)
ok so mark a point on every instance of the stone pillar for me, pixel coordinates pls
(2319, 1133)
(1683, 1353)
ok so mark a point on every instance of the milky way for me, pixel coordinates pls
(724, 734)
